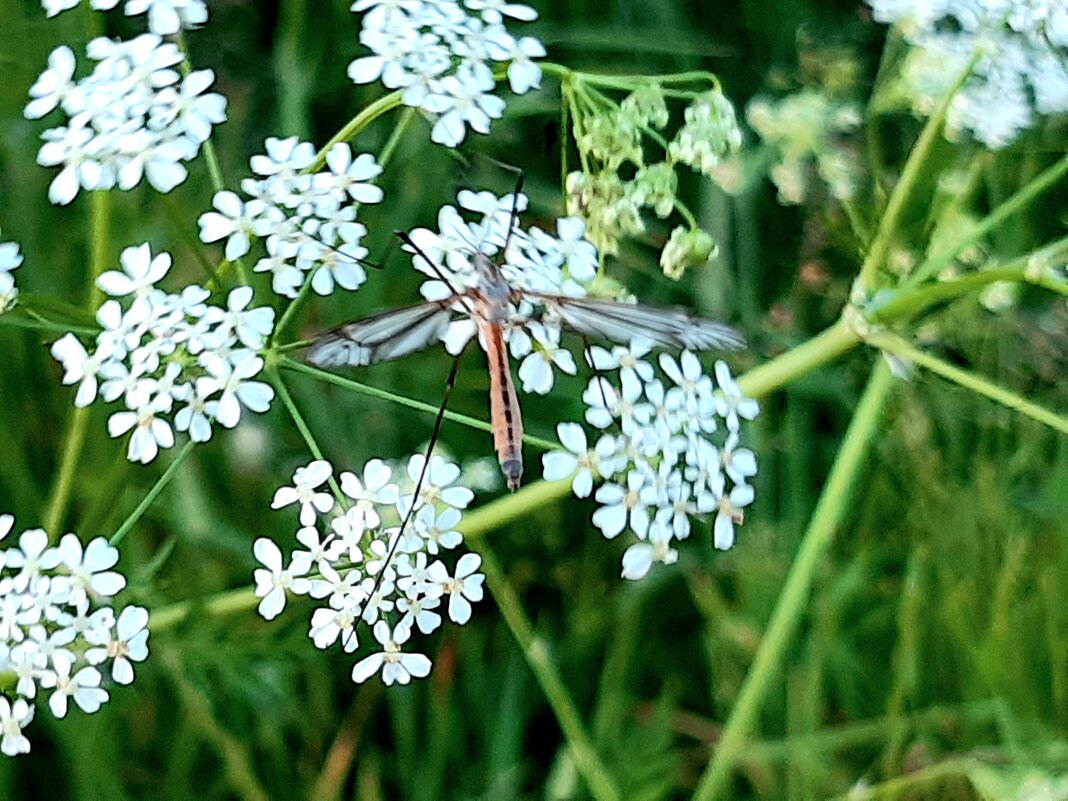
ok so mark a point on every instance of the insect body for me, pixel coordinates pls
(492, 304)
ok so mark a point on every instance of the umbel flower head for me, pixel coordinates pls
(440, 53)
(58, 638)
(306, 221)
(373, 559)
(134, 116)
(1021, 71)
(669, 450)
(173, 361)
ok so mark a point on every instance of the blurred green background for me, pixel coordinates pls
(933, 661)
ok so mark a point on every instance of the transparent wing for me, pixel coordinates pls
(622, 322)
(383, 336)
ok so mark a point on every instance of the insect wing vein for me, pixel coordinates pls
(383, 336)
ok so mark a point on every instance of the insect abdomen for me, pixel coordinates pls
(504, 409)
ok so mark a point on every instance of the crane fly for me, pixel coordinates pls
(492, 304)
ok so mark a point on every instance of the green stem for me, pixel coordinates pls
(357, 124)
(891, 343)
(826, 346)
(536, 653)
(906, 304)
(374, 392)
(151, 495)
(36, 322)
(302, 427)
(902, 194)
(100, 236)
(394, 137)
(1015, 204)
(833, 507)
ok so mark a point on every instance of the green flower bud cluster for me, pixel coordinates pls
(618, 180)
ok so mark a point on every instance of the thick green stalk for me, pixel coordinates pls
(825, 347)
(831, 510)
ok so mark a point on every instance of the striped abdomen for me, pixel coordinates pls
(504, 407)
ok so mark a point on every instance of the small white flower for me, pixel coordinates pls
(641, 556)
(140, 272)
(375, 489)
(305, 481)
(578, 460)
(233, 221)
(352, 176)
(89, 570)
(31, 558)
(151, 432)
(53, 85)
(620, 505)
(328, 625)
(731, 404)
(129, 643)
(273, 582)
(536, 370)
(232, 377)
(396, 666)
(83, 687)
(463, 587)
(437, 481)
(14, 717)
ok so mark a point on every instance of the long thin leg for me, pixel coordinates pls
(449, 384)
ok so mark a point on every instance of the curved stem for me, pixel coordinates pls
(357, 124)
(151, 495)
(831, 510)
(826, 346)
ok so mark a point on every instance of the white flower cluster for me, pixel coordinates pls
(135, 116)
(54, 633)
(674, 452)
(343, 559)
(171, 359)
(804, 130)
(10, 259)
(164, 16)
(440, 53)
(307, 221)
(1022, 71)
(535, 261)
